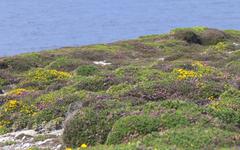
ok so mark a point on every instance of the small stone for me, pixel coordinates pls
(58, 147)
(102, 63)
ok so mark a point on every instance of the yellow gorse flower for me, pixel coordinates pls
(198, 72)
(84, 146)
(11, 105)
(68, 148)
(4, 123)
(18, 91)
(44, 75)
(184, 74)
(211, 98)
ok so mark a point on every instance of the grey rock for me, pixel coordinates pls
(74, 107)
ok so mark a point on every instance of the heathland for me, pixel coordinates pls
(179, 90)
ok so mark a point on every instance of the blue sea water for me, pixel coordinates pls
(33, 25)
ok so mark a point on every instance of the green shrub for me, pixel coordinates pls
(94, 83)
(126, 126)
(3, 130)
(25, 62)
(120, 89)
(233, 67)
(2, 82)
(44, 116)
(197, 29)
(40, 78)
(63, 64)
(234, 33)
(174, 120)
(138, 125)
(87, 70)
(21, 122)
(192, 138)
(223, 46)
(88, 126)
(227, 108)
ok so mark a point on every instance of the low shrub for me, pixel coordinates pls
(137, 125)
(87, 70)
(95, 83)
(233, 67)
(132, 126)
(227, 108)
(192, 138)
(88, 126)
(3, 130)
(63, 64)
(119, 90)
(40, 77)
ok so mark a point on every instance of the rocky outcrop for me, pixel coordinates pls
(25, 139)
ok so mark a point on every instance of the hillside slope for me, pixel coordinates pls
(179, 90)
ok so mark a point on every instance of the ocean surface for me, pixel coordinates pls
(34, 25)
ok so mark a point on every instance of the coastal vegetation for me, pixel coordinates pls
(179, 90)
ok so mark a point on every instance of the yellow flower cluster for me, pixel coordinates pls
(198, 72)
(185, 74)
(81, 147)
(17, 92)
(11, 105)
(44, 75)
(5, 123)
(211, 98)
(215, 105)
(2, 129)
(59, 74)
(220, 46)
(197, 64)
(201, 68)
(27, 109)
(224, 104)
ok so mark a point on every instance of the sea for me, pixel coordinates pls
(35, 25)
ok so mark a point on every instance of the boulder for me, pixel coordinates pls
(188, 36)
(212, 36)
